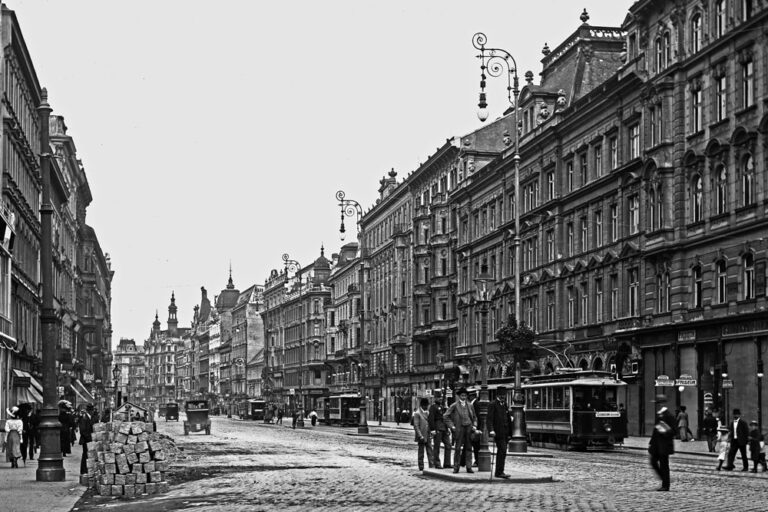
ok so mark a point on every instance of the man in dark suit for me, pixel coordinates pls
(439, 432)
(739, 431)
(500, 428)
(85, 425)
(662, 443)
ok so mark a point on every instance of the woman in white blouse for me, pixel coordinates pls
(14, 427)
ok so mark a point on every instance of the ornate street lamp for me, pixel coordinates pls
(50, 465)
(351, 208)
(495, 61)
(295, 267)
(482, 298)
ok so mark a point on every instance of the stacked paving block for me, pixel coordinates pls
(126, 458)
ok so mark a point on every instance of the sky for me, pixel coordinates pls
(217, 133)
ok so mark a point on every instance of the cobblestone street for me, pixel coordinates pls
(255, 467)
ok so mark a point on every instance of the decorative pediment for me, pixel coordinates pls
(715, 148)
(461, 303)
(629, 249)
(610, 256)
(507, 288)
(580, 265)
(546, 275)
(567, 270)
(594, 261)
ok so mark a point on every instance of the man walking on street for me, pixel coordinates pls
(709, 427)
(439, 431)
(421, 428)
(85, 425)
(739, 431)
(460, 418)
(662, 443)
(500, 428)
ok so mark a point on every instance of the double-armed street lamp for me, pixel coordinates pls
(351, 208)
(494, 61)
(295, 267)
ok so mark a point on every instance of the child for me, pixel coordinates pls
(755, 448)
(723, 445)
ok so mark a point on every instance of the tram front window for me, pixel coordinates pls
(595, 398)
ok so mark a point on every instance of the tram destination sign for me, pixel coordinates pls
(608, 414)
(664, 380)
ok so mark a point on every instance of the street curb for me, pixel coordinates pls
(702, 454)
(483, 478)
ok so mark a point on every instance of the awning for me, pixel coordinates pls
(31, 394)
(80, 391)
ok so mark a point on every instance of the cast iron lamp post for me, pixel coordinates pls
(116, 376)
(482, 299)
(50, 465)
(495, 61)
(351, 208)
(295, 267)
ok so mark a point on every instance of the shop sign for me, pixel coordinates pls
(683, 336)
(608, 414)
(291, 391)
(686, 381)
(21, 382)
(88, 377)
(708, 400)
(664, 380)
(727, 384)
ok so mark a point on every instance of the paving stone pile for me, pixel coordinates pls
(127, 458)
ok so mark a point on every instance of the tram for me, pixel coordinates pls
(341, 410)
(571, 409)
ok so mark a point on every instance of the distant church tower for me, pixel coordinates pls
(156, 327)
(173, 322)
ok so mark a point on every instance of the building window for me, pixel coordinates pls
(569, 234)
(598, 154)
(696, 288)
(634, 214)
(721, 191)
(633, 296)
(613, 148)
(662, 293)
(697, 202)
(747, 181)
(569, 175)
(584, 313)
(550, 310)
(550, 185)
(598, 229)
(748, 269)
(599, 300)
(747, 81)
(550, 245)
(571, 306)
(614, 222)
(652, 126)
(584, 234)
(722, 281)
(583, 168)
(746, 9)
(614, 303)
(696, 36)
(658, 46)
(721, 13)
(721, 93)
(634, 141)
(696, 110)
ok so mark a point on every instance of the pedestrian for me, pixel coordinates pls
(422, 431)
(295, 418)
(460, 418)
(709, 427)
(85, 425)
(14, 428)
(500, 428)
(723, 445)
(682, 424)
(440, 433)
(64, 433)
(279, 417)
(739, 431)
(662, 443)
(27, 441)
(397, 416)
(756, 446)
(624, 419)
(313, 417)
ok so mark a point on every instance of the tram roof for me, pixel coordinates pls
(581, 378)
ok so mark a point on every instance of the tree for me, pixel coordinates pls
(515, 342)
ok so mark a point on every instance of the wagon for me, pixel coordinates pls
(197, 417)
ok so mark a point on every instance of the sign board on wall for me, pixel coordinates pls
(686, 380)
(664, 380)
(727, 384)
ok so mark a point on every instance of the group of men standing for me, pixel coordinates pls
(436, 426)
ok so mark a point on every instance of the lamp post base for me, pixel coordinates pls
(50, 464)
(518, 443)
(483, 454)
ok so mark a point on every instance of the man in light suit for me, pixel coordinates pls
(460, 418)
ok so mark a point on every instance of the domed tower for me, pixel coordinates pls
(322, 268)
(173, 322)
(156, 326)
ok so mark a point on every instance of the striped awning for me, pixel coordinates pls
(31, 394)
(83, 394)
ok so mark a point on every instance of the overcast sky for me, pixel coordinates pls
(218, 131)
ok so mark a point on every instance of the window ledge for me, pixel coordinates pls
(694, 225)
(694, 135)
(719, 306)
(723, 122)
(746, 110)
(746, 301)
(748, 208)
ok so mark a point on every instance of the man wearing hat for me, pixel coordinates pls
(500, 428)
(85, 425)
(662, 443)
(439, 431)
(739, 436)
(460, 418)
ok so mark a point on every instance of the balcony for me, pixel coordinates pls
(421, 249)
(399, 341)
(441, 239)
(421, 212)
(422, 289)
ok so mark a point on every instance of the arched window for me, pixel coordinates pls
(721, 191)
(747, 181)
(696, 290)
(597, 364)
(696, 36)
(652, 205)
(583, 364)
(722, 281)
(658, 47)
(696, 199)
(748, 276)
(666, 44)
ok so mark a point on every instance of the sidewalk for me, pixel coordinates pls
(20, 492)
(690, 447)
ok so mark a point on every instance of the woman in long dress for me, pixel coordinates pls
(682, 424)
(15, 428)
